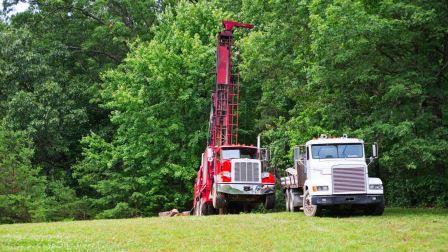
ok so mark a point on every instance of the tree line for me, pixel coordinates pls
(104, 105)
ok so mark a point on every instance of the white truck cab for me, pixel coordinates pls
(329, 172)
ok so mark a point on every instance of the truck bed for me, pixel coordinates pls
(291, 181)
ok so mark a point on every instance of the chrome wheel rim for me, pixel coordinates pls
(308, 207)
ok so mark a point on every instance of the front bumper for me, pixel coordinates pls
(352, 199)
(245, 189)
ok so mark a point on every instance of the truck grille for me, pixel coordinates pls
(247, 172)
(347, 180)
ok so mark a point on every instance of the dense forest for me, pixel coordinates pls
(104, 105)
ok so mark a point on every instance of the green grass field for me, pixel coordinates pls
(397, 229)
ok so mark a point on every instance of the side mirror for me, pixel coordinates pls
(264, 154)
(375, 150)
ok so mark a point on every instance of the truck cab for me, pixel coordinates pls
(242, 177)
(242, 168)
(240, 181)
(332, 171)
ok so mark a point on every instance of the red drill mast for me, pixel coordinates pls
(224, 117)
(231, 175)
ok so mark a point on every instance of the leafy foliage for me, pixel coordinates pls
(21, 188)
(373, 70)
(157, 98)
(104, 104)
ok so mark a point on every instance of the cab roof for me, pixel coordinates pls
(237, 146)
(334, 140)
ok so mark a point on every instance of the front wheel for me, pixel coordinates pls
(308, 208)
(196, 208)
(219, 200)
(269, 201)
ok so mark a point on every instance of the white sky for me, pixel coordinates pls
(20, 7)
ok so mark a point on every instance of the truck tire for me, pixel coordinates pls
(287, 199)
(308, 208)
(375, 209)
(204, 208)
(196, 208)
(219, 200)
(269, 201)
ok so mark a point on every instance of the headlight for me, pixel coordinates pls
(320, 188)
(264, 175)
(376, 187)
(226, 174)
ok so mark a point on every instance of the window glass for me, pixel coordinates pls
(350, 151)
(229, 154)
(325, 151)
(250, 153)
(322, 151)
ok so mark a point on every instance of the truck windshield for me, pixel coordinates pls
(322, 151)
(239, 153)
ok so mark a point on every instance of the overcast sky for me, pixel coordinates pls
(18, 8)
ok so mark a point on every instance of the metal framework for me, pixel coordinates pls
(224, 114)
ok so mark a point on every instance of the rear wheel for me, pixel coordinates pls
(197, 206)
(308, 208)
(201, 208)
(204, 208)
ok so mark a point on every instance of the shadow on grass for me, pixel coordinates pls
(348, 213)
(416, 211)
(342, 213)
(397, 212)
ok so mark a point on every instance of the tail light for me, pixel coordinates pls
(267, 178)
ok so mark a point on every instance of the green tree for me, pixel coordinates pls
(108, 101)
(51, 57)
(382, 67)
(375, 70)
(159, 99)
(22, 189)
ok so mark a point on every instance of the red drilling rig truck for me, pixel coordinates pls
(232, 177)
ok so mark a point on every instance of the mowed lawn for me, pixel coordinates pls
(397, 229)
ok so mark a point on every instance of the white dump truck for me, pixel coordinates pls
(332, 172)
